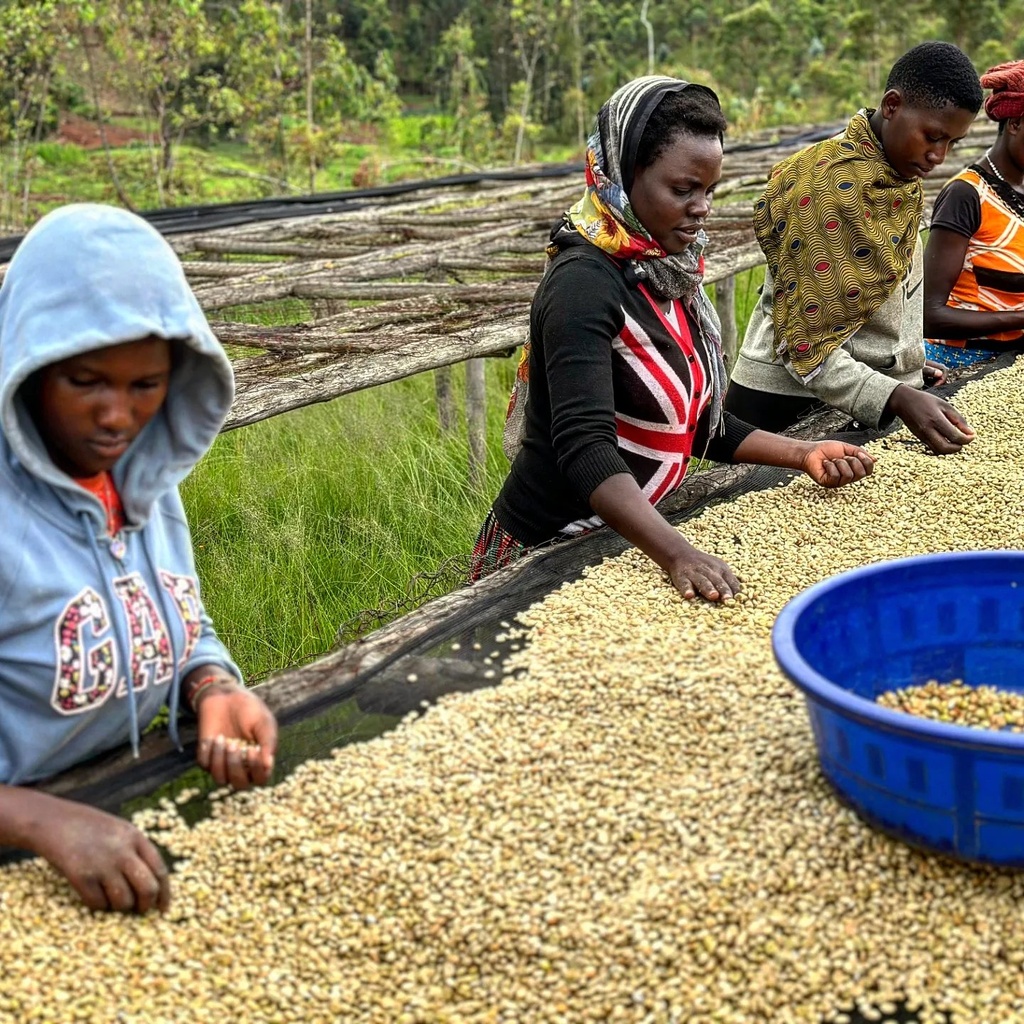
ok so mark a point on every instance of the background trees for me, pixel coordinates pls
(35, 36)
(294, 80)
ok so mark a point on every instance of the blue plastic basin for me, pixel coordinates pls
(948, 788)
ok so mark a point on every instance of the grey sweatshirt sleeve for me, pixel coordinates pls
(854, 387)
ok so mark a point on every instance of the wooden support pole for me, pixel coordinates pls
(725, 303)
(476, 420)
(444, 398)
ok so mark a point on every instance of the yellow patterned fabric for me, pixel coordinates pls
(838, 227)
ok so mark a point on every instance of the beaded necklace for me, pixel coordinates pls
(1015, 197)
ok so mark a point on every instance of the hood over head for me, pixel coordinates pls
(88, 277)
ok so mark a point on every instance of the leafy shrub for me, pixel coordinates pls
(61, 154)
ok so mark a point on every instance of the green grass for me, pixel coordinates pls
(65, 173)
(64, 155)
(747, 294)
(302, 522)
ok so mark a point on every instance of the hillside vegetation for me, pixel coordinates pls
(158, 102)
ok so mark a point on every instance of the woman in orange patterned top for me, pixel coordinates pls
(974, 263)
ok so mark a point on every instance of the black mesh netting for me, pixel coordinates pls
(213, 216)
(455, 644)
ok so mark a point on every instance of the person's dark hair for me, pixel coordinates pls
(694, 111)
(936, 75)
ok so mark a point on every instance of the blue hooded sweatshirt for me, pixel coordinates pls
(95, 637)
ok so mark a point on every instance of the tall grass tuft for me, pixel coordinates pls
(304, 521)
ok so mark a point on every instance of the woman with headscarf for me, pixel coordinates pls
(622, 381)
(974, 262)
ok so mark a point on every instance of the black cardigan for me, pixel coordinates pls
(577, 384)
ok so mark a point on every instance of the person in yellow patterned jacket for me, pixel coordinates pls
(840, 319)
(974, 262)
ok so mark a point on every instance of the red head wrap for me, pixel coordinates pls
(1007, 84)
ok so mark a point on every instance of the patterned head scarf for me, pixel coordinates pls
(1007, 84)
(605, 217)
(838, 227)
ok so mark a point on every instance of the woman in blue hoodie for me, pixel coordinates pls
(112, 386)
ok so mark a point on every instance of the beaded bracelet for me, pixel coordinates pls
(196, 688)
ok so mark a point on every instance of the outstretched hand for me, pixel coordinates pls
(836, 463)
(931, 419)
(237, 736)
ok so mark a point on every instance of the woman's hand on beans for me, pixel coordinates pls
(835, 463)
(107, 860)
(931, 419)
(696, 572)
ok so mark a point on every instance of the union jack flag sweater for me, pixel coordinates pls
(615, 387)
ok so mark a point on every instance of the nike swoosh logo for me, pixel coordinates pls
(915, 288)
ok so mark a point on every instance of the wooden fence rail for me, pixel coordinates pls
(470, 279)
(337, 303)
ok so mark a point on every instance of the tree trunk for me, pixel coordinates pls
(163, 112)
(650, 36)
(282, 146)
(18, 162)
(10, 214)
(581, 123)
(529, 67)
(725, 303)
(44, 92)
(309, 95)
(154, 156)
(476, 420)
(102, 121)
(445, 399)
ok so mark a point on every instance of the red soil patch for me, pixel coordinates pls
(85, 133)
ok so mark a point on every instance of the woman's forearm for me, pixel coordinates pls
(950, 322)
(23, 816)
(943, 264)
(765, 449)
(622, 505)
